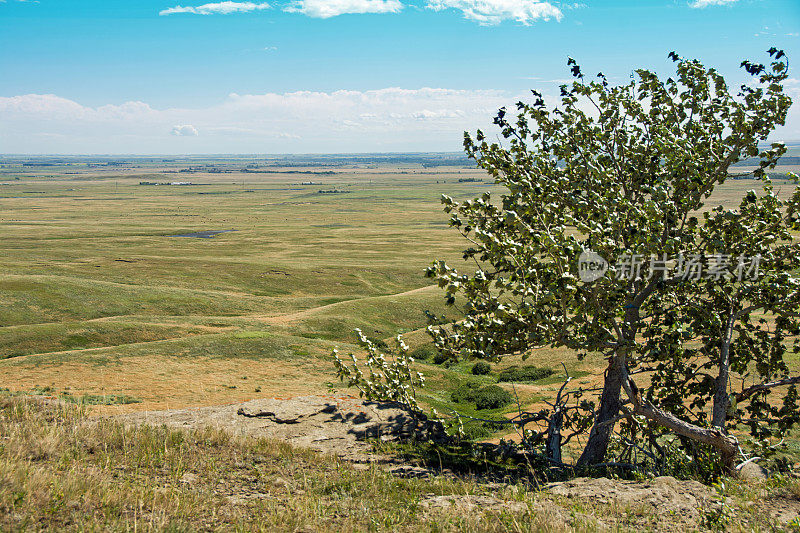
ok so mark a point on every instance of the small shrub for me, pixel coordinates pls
(492, 397)
(379, 343)
(439, 358)
(101, 399)
(481, 368)
(526, 373)
(423, 353)
(465, 392)
(477, 431)
(489, 397)
(390, 380)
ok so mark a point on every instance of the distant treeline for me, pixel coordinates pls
(314, 173)
(754, 161)
(166, 183)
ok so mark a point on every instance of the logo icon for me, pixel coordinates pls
(591, 266)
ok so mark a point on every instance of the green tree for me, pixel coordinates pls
(620, 174)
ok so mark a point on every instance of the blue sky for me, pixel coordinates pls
(186, 76)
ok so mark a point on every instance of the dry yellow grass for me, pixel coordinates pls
(60, 470)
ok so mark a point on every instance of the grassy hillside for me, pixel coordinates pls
(62, 471)
(99, 297)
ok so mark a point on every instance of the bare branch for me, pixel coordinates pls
(749, 391)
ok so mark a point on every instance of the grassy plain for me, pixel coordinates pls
(103, 305)
(98, 296)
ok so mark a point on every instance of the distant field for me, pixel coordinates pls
(99, 296)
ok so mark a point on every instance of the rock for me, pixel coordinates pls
(662, 494)
(330, 424)
(281, 483)
(752, 472)
(284, 411)
(412, 471)
(189, 478)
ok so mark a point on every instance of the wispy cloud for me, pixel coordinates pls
(491, 12)
(699, 4)
(331, 8)
(217, 8)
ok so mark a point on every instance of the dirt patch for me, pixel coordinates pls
(329, 424)
(785, 509)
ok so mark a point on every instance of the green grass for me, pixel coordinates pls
(64, 336)
(94, 399)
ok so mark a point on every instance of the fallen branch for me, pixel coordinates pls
(749, 391)
(727, 445)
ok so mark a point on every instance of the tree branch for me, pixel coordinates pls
(726, 444)
(749, 391)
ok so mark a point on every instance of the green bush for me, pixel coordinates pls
(379, 343)
(423, 353)
(476, 430)
(481, 368)
(465, 392)
(489, 397)
(492, 397)
(439, 358)
(524, 373)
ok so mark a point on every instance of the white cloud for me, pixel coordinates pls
(381, 120)
(222, 8)
(706, 3)
(331, 8)
(491, 12)
(41, 104)
(390, 119)
(52, 107)
(186, 130)
(427, 114)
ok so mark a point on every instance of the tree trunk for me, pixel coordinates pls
(596, 446)
(721, 399)
(719, 413)
(554, 434)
